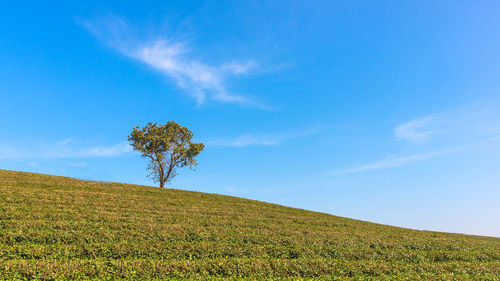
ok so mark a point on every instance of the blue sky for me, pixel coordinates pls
(385, 111)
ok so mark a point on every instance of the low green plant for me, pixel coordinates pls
(58, 228)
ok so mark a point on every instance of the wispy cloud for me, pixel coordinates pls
(61, 149)
(416, 131)
(447, 132)
(392, 162)
(172, 58)
(262, 140)
(238, 68)
(475, 121)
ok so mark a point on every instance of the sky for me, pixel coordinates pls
(384, 111)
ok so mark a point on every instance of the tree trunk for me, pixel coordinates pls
(162, 178)
(170, 168)
(168, 174)
(161, 174)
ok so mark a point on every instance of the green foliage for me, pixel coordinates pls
(168, 147)
(57, 228)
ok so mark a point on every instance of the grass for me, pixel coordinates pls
(58, 228)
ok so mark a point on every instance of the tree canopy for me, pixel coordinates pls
(168, 147)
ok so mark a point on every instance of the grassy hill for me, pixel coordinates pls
(63, 228)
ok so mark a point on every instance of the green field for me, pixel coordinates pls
(54, 228)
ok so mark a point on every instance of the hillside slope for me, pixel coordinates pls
(63, 228)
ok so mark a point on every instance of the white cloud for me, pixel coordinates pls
(61, 149)
(466, 124)
(415, 131)
(173, 59)
(262, 140)
(392, 162)
(238, 68)
(442, 133)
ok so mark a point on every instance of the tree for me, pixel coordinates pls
(168, 147)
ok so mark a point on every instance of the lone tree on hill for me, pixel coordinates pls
(168, 147)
